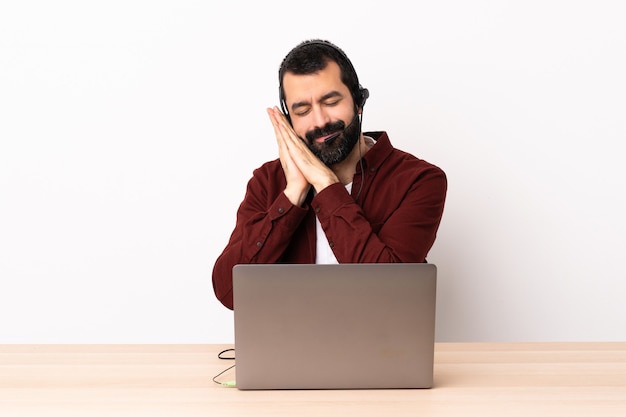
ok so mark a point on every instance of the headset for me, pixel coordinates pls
(360, 96)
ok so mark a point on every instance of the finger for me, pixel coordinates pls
(283, 149)
(272, 114)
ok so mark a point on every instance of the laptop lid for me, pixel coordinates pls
(346, 326)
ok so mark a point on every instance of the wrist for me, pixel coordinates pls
(296, 196)
(325, 182)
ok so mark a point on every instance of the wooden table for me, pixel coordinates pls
(471, 379)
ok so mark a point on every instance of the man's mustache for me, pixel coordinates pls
(325, 130)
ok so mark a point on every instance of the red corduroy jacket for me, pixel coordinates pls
(395, 218)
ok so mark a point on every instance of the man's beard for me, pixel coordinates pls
(336, 151)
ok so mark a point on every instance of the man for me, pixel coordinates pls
(335, 194)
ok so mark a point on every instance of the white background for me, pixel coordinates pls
(128, 130)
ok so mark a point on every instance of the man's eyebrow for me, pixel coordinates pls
(331, 94)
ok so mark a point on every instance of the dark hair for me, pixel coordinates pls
(313, 55)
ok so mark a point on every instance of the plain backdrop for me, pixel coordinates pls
(128, 131)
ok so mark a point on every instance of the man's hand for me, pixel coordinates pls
(302, 168)
(297, 185)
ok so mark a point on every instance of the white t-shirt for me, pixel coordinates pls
(323, 253)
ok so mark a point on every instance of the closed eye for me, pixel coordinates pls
(302, 111)
(330, 99)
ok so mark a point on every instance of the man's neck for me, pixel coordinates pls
(345, 169)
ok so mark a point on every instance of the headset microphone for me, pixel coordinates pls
(334, 136)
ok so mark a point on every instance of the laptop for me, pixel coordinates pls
(346, 326)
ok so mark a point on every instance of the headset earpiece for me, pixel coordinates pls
(364, 94)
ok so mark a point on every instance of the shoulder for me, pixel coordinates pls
(268, 168)
(397, 162)
(269, 178)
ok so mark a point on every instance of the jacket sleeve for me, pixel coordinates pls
(266, 221)
(400, 225)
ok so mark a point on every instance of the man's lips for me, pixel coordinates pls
(328, 138)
